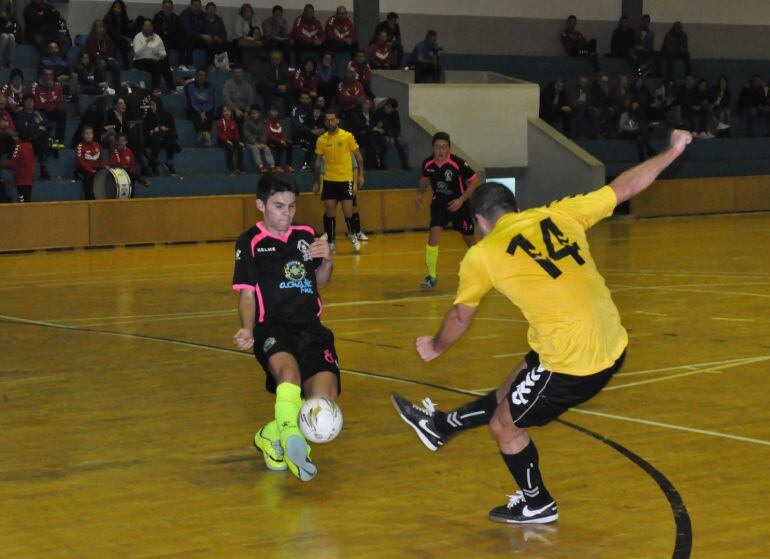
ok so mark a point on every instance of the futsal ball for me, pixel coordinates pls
(320, 420)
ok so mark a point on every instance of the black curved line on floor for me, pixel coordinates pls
(683, 539)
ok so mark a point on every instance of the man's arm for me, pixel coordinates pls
(456, 322)
(422, 188)
(360, 162)
(457, 203)
(317, 174)
(636, 179)
(247, 311)
(320, 249)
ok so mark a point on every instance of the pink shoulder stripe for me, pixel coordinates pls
(243, 287)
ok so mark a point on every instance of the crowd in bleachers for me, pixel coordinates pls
(274, 81)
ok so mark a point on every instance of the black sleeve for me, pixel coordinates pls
(424, 169)
(466, 171)
(245, 272)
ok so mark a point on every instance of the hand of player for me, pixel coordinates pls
(426, 349)
(320, 249)
(418, 201)
(244, 339)
(680, 139)
(360, 180)
(316, 188)
(456, 204)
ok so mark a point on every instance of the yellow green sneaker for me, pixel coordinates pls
(271, 450)
(297, 458)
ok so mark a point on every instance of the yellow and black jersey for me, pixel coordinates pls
(540, 260)
(336, 149)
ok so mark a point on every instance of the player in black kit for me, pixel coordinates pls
(453, 181)
(278, 270)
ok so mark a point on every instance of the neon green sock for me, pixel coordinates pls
(271, 430)
(431, 259)
(287, 405)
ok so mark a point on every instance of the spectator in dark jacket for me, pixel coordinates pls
(238, 94)
(644, 47)
(388, 119)
(160, 133)
(119, 29)
(33, 126)
(41, 26)
(622, 43)
(85, 73)
(575, 44)
(555, 106)
(303, 134)
(275, 80)
(192, 23)
(102, 52)
(675, 47)
(214, 27)
(361, 123)
(719, 97)
(246, 42)
(166, 24)
(752, 103)
(692, 105)
(255, 138)
(115, 124)
(328, 80)
(200, 105)
(601, 98)
(275, 33)
(587, 116)
(8, 30)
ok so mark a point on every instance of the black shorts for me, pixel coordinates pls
(539, 396)
(311, 344)
(337, 190)
(461, 220)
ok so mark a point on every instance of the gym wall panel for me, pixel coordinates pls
(686, 197)
(752, 193)
(715, 12)
(43, 225)
(399, 211)
(549, 9)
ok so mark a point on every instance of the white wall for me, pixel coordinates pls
(534, 9)
(330, 5)
(716, 12)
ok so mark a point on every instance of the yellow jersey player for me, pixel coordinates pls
(334, 149)
(540, 260)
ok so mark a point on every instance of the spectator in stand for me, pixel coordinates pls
(214, 27)
(665, 105)
(555, 106)
(94, 116)
(302, 129)
(307, 33)
(675, 47)
(644, 47)
(340, 32)
(122, 157)
(102, 52)
(640, 93)
(349, 92)
(601, 99)
(371, 138)
(622, 43)
(381, 55)
(7, 127)
(621, 94)
(14, 91)
(88, 161)
(62, 73)
(277, 140)
(575, 44)
(692, 106)
(119, 29)
(88, 82)
(115, 124)
(41, 26)
(388, 119)
(587, 116)
(393, 33)
(275, 80)
(160, 133)
(306, 79)
(8, 30)
(363, 72)
(425, 59)
(34, 126)
(752, 103)
(707, 111)
(22, 162)
(150, 56)
(49, 100)
(255, 138)
(247, 38)
(328, 80)
(633, 127)
(229, 139)
(200, 106)
(192, 23)
(275, 33)
(238, 95)
(719, 97)
(167, 25)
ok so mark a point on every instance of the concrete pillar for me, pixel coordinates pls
(634, 10)
(366, 16)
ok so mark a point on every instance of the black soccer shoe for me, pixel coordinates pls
(420, 419)
(517, 511)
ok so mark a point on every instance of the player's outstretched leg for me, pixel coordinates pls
(295, 449)
(420, 419)
(268, 442)
(533, 504)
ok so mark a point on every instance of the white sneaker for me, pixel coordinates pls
(109, 91)
(362, 237)
(356, 243)
(333, 247)
(722, 126)
(183, 68)
(708, 136)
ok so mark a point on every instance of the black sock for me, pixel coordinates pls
(349, 223)
(525, 469)
(356, 221)
(330, 224)
(473, 414)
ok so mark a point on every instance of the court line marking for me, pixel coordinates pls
(690, 290)
(732, 319)
(673, 426)
(514, 354)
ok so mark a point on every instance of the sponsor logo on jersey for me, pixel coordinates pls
(266, 249)
(303, 246)
(448, 175)
(237, 255)
(295, 273)
(270, 342)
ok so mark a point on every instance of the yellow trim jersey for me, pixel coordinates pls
(539, 259)
(336, 149)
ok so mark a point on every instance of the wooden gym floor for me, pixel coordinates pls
(127, 416)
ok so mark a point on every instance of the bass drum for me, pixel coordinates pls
(111, 184)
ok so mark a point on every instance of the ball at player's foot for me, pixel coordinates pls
(320, 420)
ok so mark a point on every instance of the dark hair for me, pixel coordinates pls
(210, 4)
(25, 97)
(272, 107)
(243, 7)
(272, 184)
(492, 198)
(277, 7)
(16, 72)
(334, 112)
(202, 69)
(123, 134)
(572, 17)
(431, 33)
(392, 102)
(440, 136)
(236, 67)
(255, 107)
(86, 127)
(392, 15)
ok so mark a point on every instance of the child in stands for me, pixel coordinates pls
(229, 139)
(122, 157)
(88, 160)
(277, 140)
(22, 162)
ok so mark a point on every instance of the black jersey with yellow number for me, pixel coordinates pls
(450, 178)
(280, 272)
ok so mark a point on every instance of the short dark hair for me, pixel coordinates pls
(255, 107)
(236, 67)
(392, 102)
(272, 184)
(123, 135)
(27, 96)
(334, 112)
(440, 136)
(392, 15)
(202, 69)
(210, 4)
(431, 33)
(572, 17)
(492, 198)
(277, 8)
